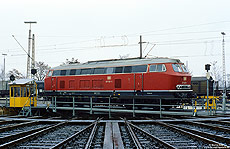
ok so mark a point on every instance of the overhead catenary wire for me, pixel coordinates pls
(143, 33)
(168, 42)
(148, 33)
(181, 40)
(150, 50)
(123, 37)
(69, 49)
(21, 46)
(57, 48)
(76, 49)
(180, 27)
(207, 55)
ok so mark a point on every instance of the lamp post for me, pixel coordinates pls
(4, 69)
(224, 74)
(207, 67)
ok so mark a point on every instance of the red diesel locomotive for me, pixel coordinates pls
(123, 78)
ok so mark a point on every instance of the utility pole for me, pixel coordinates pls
(29, 39)
(141, 46)
(4, 69)
(224, 74)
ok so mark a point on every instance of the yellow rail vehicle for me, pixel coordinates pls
(23, 93)
(211, 103)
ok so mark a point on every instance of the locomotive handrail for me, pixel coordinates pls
(111, 106)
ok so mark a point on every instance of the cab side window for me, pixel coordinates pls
(157, 68)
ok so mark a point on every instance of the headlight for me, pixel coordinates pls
(184, 78)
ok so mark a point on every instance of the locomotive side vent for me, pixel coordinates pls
(71, 84)
(117, 83)
(62, 84)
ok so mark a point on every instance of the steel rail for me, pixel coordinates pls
(198, 135)
(218, 122)
(4, 122)
(31, 136)
(209, 126)
(153, 137)
(34, 117)
(134, 137)
(89, 142)
(16, 126)
(222, 122)
(20, 134)
(66, 141)
(16, 116)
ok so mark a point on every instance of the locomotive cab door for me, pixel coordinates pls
(138, 81)
(48, 84)
(53, 83)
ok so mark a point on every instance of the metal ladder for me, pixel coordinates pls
(26, 110)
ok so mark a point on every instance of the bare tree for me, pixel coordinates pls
(215, 72)
(72, 61)
(1, 74)
(42, 69)
(16, 73)
(228, 80)
(123, 56)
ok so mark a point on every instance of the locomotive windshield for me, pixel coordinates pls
(176, 68)
(179, 68)
(184, 68)
(50, 73)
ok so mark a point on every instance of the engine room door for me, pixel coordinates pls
(138, 81)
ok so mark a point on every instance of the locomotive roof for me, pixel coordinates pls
(117, 62)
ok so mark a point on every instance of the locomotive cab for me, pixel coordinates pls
(184, 77)
(182, 80)
(48, 81)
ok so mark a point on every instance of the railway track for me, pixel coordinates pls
(10, 133)
(135, 137)
(211, 131)
(163, 136)
(7, 123)
(47, 137)
(113, 134)
(89, 137)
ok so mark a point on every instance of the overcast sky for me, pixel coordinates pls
(103, 29)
